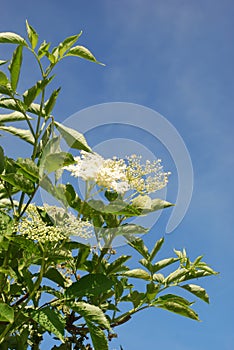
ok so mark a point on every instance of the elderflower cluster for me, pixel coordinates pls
(120, 175)
(146, 178)
(108, 173)
(62, 226)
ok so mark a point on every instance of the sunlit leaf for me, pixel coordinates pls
(197, 290)
(15, 66)
(51, 321)
(32, 35)
(23, 134)
(67, 43)
(82, 52)
(6, 313)
(179, 309)
(13, 117)
(137, 273)
(91, 313)
(12, 38)
(72, 137)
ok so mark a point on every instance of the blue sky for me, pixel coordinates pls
(175, 57)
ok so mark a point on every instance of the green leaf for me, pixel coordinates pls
(3, 79)
(6, 313)
(55, 276)
(136, 298)
(57, 161)
(163, 263)
(13, 117)
(179, 309)
(175, 276)
(2, 160)
(30, 169)
(131, 229)
(91, 313)
(90, 285)
(51, 321)
(10, 103)
(12, 38)
(43, 49)
(173, 297)
(15, 66)
(197, 290)
(49, 105)
(138, 245)
(98, 337)
(82, 52)
(72, 137)
(67, 43)
(119, 207)
(19, 182)
(23, 134)
(152, 290)
(156, 248)
(117, 265)
(32, 35)
(137, 273)
(157, 204)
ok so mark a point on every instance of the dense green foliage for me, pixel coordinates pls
(85, 286)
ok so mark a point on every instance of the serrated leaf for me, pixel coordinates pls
(82, 52)
(117, 265)
(6, 313)
(72, 137)
(163, 263)
(156, 249)
(13, 117)
(138, 245)
(12, 38)
(137, 273)
(51, 321)
(67, 43)
(197, 290)
(23, 134)
(174, 298)
(19, 182)
(10, 103)
(32, 35)
(175, 276)
(98, 337)
(15, 66)
(179, 309)
(91, 313)
(90, 285)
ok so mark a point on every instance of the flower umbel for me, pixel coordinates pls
(120, 175)
(62, 226)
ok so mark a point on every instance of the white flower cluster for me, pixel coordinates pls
(108, 173)
(120, 175)
(64, 225)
